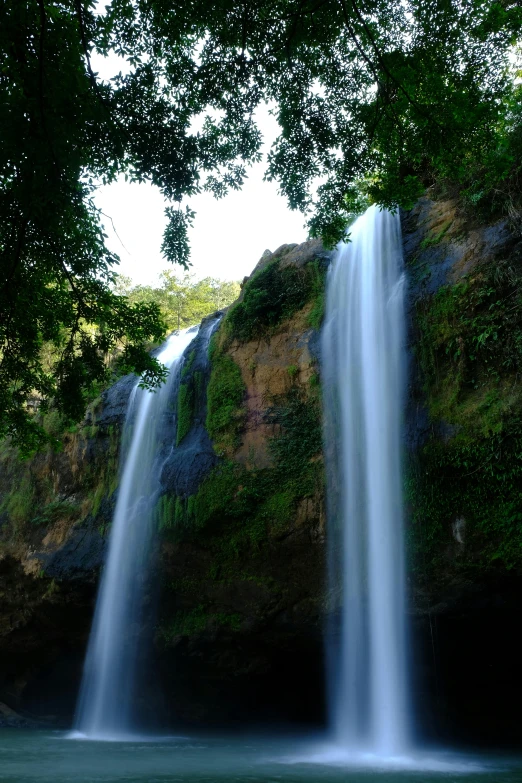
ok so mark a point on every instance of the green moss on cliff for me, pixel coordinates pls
(105, 477)
(32, 493)
(185, 408)
(298, 443)
(19, 503)
(239, 509)
(470, 468)
(225, 393)
(188, 364)
(317, 271)
(470, 348)
(272, 295)
(55, 510)
(477, 482)
(189, 399)
(187, 623)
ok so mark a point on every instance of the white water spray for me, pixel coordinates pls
(106, 696)
(363, 364)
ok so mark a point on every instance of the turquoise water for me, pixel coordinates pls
(49, 757)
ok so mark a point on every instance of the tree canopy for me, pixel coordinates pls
(375, 100)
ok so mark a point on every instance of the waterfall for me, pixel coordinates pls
(105, 707)
(363, 368)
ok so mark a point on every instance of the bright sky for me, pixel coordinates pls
(228, 237)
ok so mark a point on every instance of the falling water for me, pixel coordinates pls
(107, 692)
(363, 359)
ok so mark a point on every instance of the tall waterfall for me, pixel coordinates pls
(363, 356)
(106, 696)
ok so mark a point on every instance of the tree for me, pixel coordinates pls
(62, 131)
(183, 301)
(397, 94)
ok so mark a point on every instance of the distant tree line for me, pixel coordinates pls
(182, 300)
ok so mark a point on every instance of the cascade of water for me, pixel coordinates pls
(107, 691)
(363, 364)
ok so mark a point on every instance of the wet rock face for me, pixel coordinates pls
(441, 244)
(115, 402)
(185, 466)
(440, 248)
(81, 556)
(465, 576)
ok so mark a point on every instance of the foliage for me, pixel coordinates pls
(52, 512)
(20, 501)
(56, 271)
(470, 346)
(398, 95)
(62, 131)
(490, 183)
(225, 393)
(196, 620)
(273, 294)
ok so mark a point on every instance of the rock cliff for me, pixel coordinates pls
(463, 482)
(241, 523)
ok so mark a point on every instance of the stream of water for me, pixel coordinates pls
(363, 363)
(107, 697)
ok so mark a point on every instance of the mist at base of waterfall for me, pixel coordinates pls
(50, 757)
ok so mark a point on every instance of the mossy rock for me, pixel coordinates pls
(225, 393)
(469, 349)
(274, 294)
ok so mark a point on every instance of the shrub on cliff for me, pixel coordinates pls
(274, 294)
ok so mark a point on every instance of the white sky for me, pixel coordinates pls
(228, 236)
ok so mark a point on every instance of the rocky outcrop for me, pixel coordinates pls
(464, 470)
(241, 557)
(57, 509)
(465, 398)
(241, 608)
(185, 466)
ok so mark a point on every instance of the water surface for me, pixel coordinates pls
(50, 757)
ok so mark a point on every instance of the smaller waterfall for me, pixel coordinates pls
(363, 362)
(105, 707)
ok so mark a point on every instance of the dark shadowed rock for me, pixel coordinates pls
(115, 402)
(185, 466)
(80, 558)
